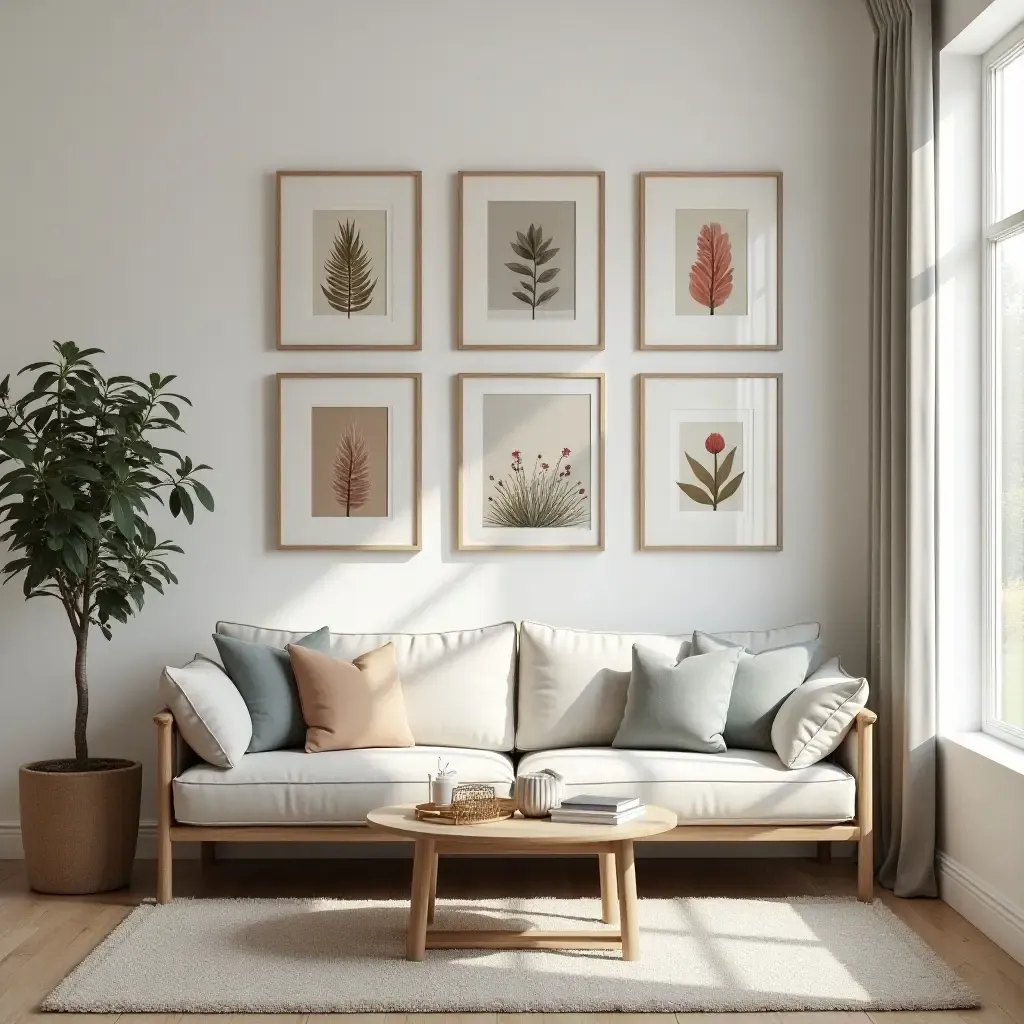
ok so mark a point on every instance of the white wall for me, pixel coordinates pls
(136, 188)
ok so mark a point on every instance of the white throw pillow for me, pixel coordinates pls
(817, 715)
(209, 710)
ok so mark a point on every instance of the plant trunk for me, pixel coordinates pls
(82, 689)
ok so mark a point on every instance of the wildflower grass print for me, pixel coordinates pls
(546, 495)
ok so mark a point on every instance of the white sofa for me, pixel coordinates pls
(500, 700)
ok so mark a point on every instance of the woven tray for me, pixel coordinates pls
(444, 815)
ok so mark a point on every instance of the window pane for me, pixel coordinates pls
(1010, 131)
(1009, 268)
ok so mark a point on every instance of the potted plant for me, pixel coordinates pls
(80, 465)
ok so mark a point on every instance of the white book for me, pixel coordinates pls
(574, 817)
(594, 802)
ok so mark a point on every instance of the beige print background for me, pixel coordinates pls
(328, 424)
(372, 226)
(688, 225)
(535, 425)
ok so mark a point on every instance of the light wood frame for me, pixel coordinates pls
(417, 379)
(460, 543)
(169, 832)
(641, 260)
(642, 544)
(460, 332)
(417, 343)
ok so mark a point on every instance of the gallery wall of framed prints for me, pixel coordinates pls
(529, 444)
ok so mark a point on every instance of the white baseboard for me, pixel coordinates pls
(989, 912)
(10, 848)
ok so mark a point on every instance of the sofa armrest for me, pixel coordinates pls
(847, 755)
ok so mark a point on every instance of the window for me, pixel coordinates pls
(1003, 220)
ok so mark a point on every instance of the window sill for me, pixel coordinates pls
(996, 750)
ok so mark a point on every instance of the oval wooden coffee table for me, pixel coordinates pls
(612, 844)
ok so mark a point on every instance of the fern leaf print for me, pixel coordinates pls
(711, 273)
(535, 250)
(351, 470)
(348, 267)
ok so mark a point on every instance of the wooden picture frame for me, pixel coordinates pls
(309, 417)
(472, 463)
(752, 200)
(482, 261)
(656, 527)
(306, 203)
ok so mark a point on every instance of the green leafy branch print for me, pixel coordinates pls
(348, 267)
(716, 485)
(537, 251)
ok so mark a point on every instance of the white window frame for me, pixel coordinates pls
(994, 231)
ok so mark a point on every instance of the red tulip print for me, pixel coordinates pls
(711, 273)
(716, 485)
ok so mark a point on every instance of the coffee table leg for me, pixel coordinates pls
(422, 869)
(433, 888)
(609, 890)
(625, 873)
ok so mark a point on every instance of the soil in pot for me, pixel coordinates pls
(79, 823)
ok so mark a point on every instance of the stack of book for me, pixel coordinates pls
(590, 809)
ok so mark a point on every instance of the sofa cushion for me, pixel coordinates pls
(573, 683)
(737, 787)
(678, 705)
(337, 787)
(458, 687)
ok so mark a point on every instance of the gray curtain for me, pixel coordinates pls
(903, 409)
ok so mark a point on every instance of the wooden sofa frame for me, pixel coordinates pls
(170, 832)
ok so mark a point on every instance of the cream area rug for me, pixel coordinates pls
(323, 955)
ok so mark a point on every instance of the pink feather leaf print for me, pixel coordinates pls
(711, 273)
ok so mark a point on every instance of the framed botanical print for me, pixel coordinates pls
(531, 462)
(531, 260)
(349, 461)
(348, 259)
(710, 467)
(710, 260)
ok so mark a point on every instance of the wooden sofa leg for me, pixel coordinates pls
(825, 853)
(164, 777)
(865, 809)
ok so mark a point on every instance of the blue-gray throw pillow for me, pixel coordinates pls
(763, 682)
(264, 678)
(678, 705)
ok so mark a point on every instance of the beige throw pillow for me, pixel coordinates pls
(351, 704)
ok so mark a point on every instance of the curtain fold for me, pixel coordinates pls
(903, 444)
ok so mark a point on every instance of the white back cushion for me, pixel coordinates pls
(458, 687)
(573, 683)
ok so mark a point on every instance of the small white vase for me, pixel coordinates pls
(539, 793)
(441, 787)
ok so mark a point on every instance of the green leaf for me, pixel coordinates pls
(18, 449)
(203, 494)
(725, 468)
(121, 510)
(174, 503)
(730, 488)
(171, 408)
(86, 523)
(701, 473)
(62, 494)
(186, 505)
(695, 493)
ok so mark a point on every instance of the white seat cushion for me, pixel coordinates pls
(737, 787)
(458, 687)
(573, 683)
(336, 787)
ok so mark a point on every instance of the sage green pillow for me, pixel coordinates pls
(763, 682)
(263, 676)
(678, 705)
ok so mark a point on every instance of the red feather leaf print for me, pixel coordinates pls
(711, 274)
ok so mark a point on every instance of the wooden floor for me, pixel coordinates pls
(43, 937)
